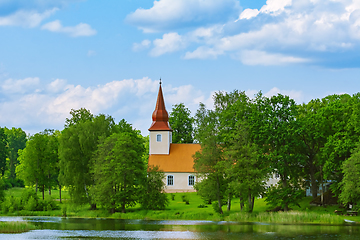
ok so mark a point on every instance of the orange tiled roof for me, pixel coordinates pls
(179, 160)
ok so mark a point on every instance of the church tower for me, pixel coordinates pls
(160, 130)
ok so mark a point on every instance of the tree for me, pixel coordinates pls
(36, 164)
(246, 170)
(118, 169)
(274, 131)
(182, 124)
(77, 144)
(3, 151)
(153, 196)
(313, 133)
(16, 138)
(343, 115)
(209, 162)
(350, 185)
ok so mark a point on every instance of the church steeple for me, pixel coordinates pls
(160, 116)
(160, 136)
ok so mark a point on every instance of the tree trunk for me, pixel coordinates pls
(218, 194)
(43, 191)
(229, 202)
(93, 206)
(322, 188)
(60, 192)
(251, 202)
(284, 182)
(241, 203)
(314, 186)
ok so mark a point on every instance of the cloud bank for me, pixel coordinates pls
(281, 32)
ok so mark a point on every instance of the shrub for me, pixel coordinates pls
(31, 204)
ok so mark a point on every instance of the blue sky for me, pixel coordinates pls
(108, 56)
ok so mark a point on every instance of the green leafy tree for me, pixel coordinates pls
(350, 185)
(153, 196)
(3, 151)
(343, 115)
(246, 170)
(182, 124)
(118, 169)
(274, 130)
(77, 143)
(209, 162)
(35, 165)
(313, 132)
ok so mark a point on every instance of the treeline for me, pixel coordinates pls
(246, 141)
(99, 162)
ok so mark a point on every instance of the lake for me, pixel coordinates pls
(101, 229)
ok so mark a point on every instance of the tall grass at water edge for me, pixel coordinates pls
(292, 217)
(15, 227)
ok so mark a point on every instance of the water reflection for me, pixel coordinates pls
(79, 228)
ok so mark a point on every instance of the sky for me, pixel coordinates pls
(108, 56)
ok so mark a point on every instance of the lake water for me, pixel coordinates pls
(101, 229)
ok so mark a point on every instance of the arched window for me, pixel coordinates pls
(191, 180)
(170, 180)
(158, 138)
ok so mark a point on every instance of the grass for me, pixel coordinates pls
(197, 210)
(15, 227)
(16, 192)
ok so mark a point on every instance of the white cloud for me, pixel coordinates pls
(131, 99)
(255, 57)
(20, 85)
(293, 94)
(141, 46)
(275, 6)
(80, 30)
(26, 18)
(203, 52)
(249, 13)
(173, 14)
(170, 42)
(280, 32)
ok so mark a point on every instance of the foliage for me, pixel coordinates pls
(153, 196)
(209, 162)
(16, 139)
(274, 130)
(118, 169)
(3, 151)
(77, 144)
(181, 122)
(350, 185)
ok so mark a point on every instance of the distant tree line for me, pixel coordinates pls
(99, 162)
(245, 141)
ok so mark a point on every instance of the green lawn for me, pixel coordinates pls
(197, 210)
(55, 194)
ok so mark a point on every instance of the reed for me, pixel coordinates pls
(291, 217)
(15, 227)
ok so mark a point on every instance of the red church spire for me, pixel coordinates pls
(160, 116)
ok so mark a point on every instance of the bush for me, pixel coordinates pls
(30, 205)
(172, 196)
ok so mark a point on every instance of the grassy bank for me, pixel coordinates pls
(197, 210)
(15, 227)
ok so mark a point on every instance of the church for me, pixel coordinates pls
(174, 159)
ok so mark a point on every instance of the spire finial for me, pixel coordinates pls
(160, 81)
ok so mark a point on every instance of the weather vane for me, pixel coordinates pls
(160, 81)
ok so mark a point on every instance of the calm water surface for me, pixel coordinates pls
(101, 229)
